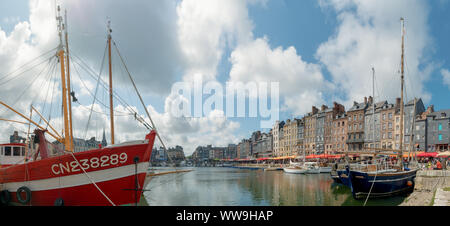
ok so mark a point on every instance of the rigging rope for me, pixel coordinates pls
(142, 102)
(115, 94)
(92, 180)
(29, 62)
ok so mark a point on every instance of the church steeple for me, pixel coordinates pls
(104, 143)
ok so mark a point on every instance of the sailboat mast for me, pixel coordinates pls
(111, 105)
(68, 78)
(61, 55)
(373, 103)
(400, 156)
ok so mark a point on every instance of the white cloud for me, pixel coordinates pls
(446, 77)
(154, 54)
(302, 84)
(206, 28)
(369, 35)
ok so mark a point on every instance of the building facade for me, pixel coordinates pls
(339, 133)
(410, 115)
(330, 115)
(276, 137)
(373, 125)
(301, 137)
(438, 131)
(309, 140)
(387, 125)
(355, 130)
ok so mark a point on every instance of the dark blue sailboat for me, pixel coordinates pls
(378, 184)
(380, 180)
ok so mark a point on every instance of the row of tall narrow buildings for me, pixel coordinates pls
(333, 130)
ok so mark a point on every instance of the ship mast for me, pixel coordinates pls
(400, 156)
(61, 55)
(373, 103)
(111, 105)
(68, 78)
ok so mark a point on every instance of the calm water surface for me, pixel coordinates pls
(238, 187)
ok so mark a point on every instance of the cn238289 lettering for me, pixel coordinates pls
(90, 163)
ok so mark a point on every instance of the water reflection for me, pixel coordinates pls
(233, 187)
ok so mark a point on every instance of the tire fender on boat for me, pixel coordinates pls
(5, 197)
(27, 192)
(59, 202)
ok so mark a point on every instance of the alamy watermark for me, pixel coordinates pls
(198, 99)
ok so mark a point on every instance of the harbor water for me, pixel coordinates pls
(221, 186)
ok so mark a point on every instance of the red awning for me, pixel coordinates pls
(262, 159)
(322, 156)
(427, 154)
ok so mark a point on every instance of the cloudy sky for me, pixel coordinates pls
(319, 52)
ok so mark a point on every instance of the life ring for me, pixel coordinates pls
(27, 192)
(5, 197)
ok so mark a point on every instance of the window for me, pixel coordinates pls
(390, 116)
(7, 151)
(440, 127)
(440, 137)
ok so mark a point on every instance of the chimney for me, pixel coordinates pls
(324, 107)
(397, 102)
(365, 100)
(370, 100)
(314, 110)
(355, 103)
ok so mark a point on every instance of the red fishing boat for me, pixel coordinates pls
(57, 175)
(113, 175)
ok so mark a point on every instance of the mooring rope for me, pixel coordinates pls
(373, 182)
(92, 181)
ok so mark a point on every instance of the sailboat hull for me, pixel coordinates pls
(294, 170)
(119, 173)
(383, 184)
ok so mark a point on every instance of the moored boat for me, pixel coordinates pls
(112, 175)
(315, 168)
(295, 169)
(381, 184)
(59, 175)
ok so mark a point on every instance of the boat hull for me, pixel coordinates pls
(343, 177)
(384, 184)
(294, 170)
(119, 173)
(335, 177)
(319, 170)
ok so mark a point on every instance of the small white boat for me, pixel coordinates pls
(295, 169)
(313, 168)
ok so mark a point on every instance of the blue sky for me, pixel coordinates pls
(313, 34)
